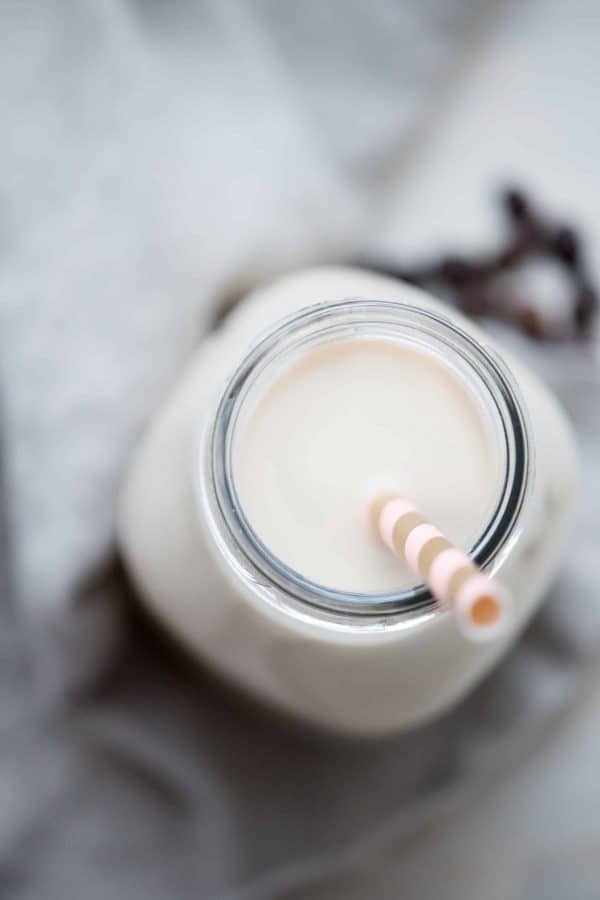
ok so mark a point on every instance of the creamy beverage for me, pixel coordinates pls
(347, 417)
(242, 516)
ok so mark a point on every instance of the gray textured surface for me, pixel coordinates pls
(168, 785)
(118, 239)
(152, 160)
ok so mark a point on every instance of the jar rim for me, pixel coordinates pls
(237, 542)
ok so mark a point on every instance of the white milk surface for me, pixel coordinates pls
(342, 422)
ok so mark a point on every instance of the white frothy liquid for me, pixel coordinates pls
(342, 422)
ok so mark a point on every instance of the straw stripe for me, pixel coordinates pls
(415, 542)
(458, 579)
(444, 568)
(403, 528)
(394, 510)
(429, 553)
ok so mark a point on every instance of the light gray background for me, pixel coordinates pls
(154, 159)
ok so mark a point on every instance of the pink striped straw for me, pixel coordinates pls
(480, 603)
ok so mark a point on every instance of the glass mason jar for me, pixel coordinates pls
(362, 663)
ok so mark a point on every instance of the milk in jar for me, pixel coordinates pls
(240, 518)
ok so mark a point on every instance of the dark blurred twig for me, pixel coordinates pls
(477, 284)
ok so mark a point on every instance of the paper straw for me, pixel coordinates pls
(479, 602)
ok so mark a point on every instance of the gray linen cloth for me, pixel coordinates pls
(154, 159)
(157, 158)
